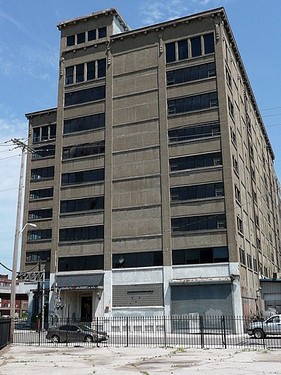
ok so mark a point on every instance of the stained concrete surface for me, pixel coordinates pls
(29, 360)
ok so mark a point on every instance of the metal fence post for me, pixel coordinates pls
(127, 331)
(97, 330)
(201, 324)
(223, 331)
(39, 330)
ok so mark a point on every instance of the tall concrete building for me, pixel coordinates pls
(152, 183)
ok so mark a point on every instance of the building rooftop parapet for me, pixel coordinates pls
(106, 12)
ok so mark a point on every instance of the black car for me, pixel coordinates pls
(75, 333)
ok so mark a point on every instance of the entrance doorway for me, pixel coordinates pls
(86, 309)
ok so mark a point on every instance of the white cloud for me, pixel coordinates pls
(161, 10)
(5, 16)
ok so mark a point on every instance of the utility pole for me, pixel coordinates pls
(18, 232)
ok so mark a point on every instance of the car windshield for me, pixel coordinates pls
(84, 327)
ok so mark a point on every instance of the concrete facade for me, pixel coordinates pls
(153, 173)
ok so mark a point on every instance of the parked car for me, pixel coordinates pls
(270, 326)
(75, 333)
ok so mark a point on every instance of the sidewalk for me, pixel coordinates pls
(28, 360)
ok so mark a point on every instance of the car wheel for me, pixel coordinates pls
(259, 334)
(55, 339)
(88, 339)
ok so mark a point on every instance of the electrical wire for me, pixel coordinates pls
(3, 265)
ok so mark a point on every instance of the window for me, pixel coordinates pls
(81, 233)
(191, 74)
(197, 191)
(83, 204)
(81, 177)
(235, 164)
(209, 45)
(101, 68)
(237, 194)
(41, 194)
(257, 221)
(196, 46)
(192, 103)
(230, 108)
(80, 38)
(239, 224)
(69, 75)
(194, 132)
(253, 173)
(42, 173)
(39, 235)
(242, 256)
(134, 260)
(249, 261)
(37, 256)
(44, 213)
(255, 265)
(79, 73)
(84, 96)
(44, 133)
(195, 161)
(83, 150)
(179, 50)
(170, 52)
(84, 123)
(89, 71)
(228, 78)
(233, 136)
(197, 223)
(183, 49)
(70, 40)
(92, 34)
(44, 152)
(80, 263)
(201, 255)
(102, 32)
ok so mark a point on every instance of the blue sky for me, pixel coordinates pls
(29, 52)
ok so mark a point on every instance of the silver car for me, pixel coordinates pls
(270, 326)
(75, 333)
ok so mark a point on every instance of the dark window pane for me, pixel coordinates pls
(195, 46)
(209, 43)
(80, 263)
(36, 134)
(134, 260)
(44, 133)
(91, 70)
(92, 34)
(41, 193)
(84, 96)
(53, 130)
(101, 68)
(80, 38)
(102, 32)
(194, 73)
(170, 52)
(70, 40)
(79, 73)
(69, 75)
(183, 49)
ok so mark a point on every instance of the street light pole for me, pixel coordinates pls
(16, 248)
(18, 232)
(14, 267)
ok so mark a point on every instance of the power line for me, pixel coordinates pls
(9, 157)
(3, 265)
